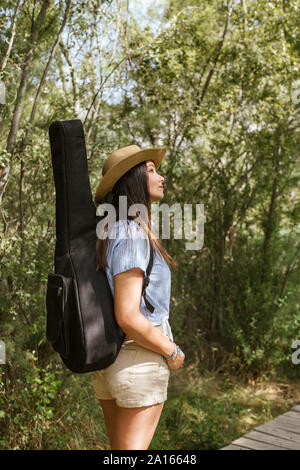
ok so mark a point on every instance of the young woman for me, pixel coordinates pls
(133, 389)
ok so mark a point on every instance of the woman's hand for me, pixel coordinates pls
(177, 361)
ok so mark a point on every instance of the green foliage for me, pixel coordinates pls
(212, 411)
(27, 409)
(48, 408)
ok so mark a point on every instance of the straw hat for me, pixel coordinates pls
(122, 160)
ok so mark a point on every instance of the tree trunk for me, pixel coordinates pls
(31, 120)
(12, 36)
(11, 140)
(269, 229)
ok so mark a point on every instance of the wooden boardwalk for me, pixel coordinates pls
(282, 433)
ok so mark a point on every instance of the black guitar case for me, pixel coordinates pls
(81, 323)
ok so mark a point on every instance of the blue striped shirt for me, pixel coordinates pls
(128, 248)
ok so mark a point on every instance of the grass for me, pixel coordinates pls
(206, 410)
(213, 410)
(202, 412)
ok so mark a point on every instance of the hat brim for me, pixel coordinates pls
(113, 174)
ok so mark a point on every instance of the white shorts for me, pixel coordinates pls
(138, 377)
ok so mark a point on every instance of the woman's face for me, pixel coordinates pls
(155, 182)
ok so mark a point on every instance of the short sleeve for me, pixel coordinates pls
(130, 252)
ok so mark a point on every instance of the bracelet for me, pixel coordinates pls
(173, 356)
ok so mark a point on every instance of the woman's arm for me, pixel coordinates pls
(127, 297)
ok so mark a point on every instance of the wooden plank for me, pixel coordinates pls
(275, 431)
(282, 424)
(255, 445)
(292, 415)
(269, 439)
(287, 419)
(281, 420)
(233, 447)
(281, 433)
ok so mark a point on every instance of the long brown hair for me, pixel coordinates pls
(134, 185)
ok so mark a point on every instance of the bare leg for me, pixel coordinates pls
(135, 427)
(109, 412)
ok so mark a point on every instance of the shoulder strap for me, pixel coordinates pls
(146, 280)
